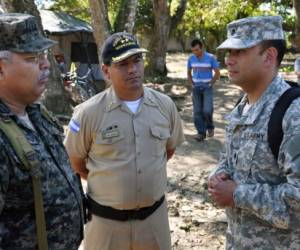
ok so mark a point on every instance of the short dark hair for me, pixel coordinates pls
(196, 42)
(279, 45)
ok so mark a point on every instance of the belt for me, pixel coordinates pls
(122, 215)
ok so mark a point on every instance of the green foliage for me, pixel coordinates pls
(77, 8)
(113, 9)
(144, 17)
(80, 8)
(173, 6)
(214, 15)
(206, 19)
(287, 69)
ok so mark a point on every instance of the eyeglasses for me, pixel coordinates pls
(37, 57)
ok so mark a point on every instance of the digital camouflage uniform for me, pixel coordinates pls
(61, 193)
(267, 198)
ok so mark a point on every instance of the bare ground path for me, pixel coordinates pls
(195, 222)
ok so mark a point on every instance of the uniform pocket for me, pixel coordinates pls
(109, 145)
(160, 137)
(244, 160)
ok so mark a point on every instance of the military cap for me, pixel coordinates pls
(19, 33)
(248, 32)
(120, 46)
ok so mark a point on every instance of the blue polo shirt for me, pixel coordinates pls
(202, 68)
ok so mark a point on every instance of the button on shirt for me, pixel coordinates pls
(125, 152)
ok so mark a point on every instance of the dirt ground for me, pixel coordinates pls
(195, 223)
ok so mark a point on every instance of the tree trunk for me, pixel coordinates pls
(177, 17)
(55, 97)
(125, 20)
(296, 4)
(100, 22)
(158, 43)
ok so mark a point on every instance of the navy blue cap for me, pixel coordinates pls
(120, 46)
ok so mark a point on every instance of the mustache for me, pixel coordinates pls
(133, 77)
(45, 74)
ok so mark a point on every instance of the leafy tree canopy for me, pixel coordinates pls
(78, 8)
(206, 19)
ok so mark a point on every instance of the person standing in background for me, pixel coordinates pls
(202, 73)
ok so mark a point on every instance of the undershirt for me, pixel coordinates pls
(26, 120)
(246, 108)
(133, 105)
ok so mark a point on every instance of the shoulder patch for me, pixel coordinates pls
(74, 126)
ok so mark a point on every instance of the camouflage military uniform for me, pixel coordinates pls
(61, 193)
(267, 199)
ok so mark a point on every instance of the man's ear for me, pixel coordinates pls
(271, 56)
(1, 69)
(105, 70)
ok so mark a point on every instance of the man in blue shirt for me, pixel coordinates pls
(202, 71)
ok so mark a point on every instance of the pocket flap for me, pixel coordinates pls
(160, 133)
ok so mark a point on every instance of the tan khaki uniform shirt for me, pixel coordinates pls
(125, 152)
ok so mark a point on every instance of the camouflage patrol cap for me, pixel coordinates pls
(19, 33)
(248, 32)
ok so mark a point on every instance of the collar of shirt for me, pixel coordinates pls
(268, 98)
(113, 100)
(6, 112)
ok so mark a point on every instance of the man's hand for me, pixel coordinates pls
(79, 166)
(221, 189)
(215, 179)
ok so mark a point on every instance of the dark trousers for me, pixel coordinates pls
(203, 109)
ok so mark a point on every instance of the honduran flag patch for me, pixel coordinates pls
(74, 126)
